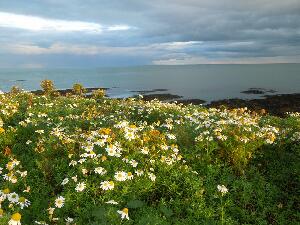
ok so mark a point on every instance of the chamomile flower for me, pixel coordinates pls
(152, 176)
(120, 176)
(23, 173)
(41, 222)
(139, 172)
(124, 213)
(145, 151)
(23, 202)
(129, 176)
(74, 178)
(69, 220)
(130, 135)
(39, 131)
(27, 189)
(13, 197)
(111, 150)
(113, 202)
(133, 163)
(100, 170)
(107, 185)
(65, 181)
(222, 189)
(84, 171)
(59, 202)
(80, 187)
(72, 163)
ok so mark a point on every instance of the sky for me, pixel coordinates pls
(100, 33)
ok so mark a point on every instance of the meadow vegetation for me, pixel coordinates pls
(76, 160)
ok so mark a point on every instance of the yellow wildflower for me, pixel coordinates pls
(15, 219)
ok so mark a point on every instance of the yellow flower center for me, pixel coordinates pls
(125, 210)
(22, 199)
(6, 191)
(9, 165)
(129, 174)
(16, 217)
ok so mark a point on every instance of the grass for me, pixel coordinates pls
(73, 160)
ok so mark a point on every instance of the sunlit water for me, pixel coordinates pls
(207, 82)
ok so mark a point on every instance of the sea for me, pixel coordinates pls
(206, 82)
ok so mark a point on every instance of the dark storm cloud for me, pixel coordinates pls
(191, 31)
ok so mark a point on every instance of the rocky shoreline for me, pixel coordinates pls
(275, 104)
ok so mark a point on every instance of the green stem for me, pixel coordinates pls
(222, 211)
(207, 149)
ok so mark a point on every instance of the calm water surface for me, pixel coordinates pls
(207, 82)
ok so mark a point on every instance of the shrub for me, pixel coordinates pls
(98, 94)
(15, 90)
(47, 86)
(78, 89)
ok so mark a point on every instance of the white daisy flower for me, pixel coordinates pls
(100, 170)
(59, 202)
(145, 151)
(23, 202)
(139, 172)
(80, 187)
(124, 213)
(69, 220)
(107, 185)
(133, 163)
(152, 176)
(13, 197)
(65, 181)
(222, 189)
(120, 176)
(113, 202)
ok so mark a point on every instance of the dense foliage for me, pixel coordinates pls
(76, 160)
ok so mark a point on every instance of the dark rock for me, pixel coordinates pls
(190, 101)
(161, 97)
(276, 105)
(142, 92)
(68, 91)
(258, 91)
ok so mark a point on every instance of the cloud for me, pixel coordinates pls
(190, 60)
(65, 48)
(33, 23)
(169, 31)
(118, 27)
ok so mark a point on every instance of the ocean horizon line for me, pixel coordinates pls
(150, 65)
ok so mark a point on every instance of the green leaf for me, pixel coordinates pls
(135, 204)
(166, 211)
(99, 212)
